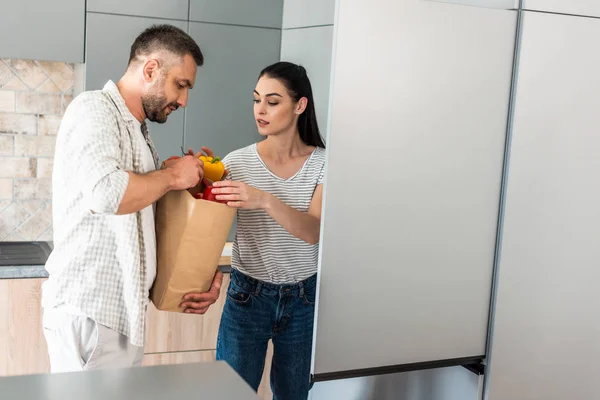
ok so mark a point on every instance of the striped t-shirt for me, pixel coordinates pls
(262, 248)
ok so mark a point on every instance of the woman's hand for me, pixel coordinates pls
(240, 195)
(206, 151)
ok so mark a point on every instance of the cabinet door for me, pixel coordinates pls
(546, 332)
(23, 348)
(186, 357)
(304, 13)
(43, 30)
(108, 41)
(172, 9)
(266, 13)
(220, 110)
(176, 332)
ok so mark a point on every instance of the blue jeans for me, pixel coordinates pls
(257, 311)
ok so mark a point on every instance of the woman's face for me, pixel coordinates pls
(274, 109)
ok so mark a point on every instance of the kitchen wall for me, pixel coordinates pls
(33, 97)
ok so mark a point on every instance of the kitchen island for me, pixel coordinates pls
(171, 338)
(213, 380)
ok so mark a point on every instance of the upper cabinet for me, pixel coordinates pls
(220, 108)
(305, 13)
(171, 9)
(263, 13)
(238, 39)
(44, 30)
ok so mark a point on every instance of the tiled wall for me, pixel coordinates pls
(33, 97)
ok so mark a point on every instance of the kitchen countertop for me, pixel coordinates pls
(37, 270)
(211, 380)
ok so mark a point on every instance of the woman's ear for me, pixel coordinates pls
(301, 105)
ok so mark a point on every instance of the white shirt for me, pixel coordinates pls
(98, 265)
(148, 225)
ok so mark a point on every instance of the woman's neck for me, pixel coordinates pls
(283, 146)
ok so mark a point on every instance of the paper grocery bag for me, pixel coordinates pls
(190, 236)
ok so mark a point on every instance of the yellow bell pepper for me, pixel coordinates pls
(213, 168)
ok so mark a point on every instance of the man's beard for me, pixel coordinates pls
(155, 106)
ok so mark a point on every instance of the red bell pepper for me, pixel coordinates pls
(208, 195)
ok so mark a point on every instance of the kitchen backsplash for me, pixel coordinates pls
(33, 97)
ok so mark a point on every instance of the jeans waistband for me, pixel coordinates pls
(254, 285)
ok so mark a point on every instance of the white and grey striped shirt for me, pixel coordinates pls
(262, 248)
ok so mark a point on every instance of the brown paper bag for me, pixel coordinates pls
(190, 236)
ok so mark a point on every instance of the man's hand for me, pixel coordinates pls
(198, 303)
(186, 171)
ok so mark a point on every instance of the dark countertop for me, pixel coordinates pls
(31, 265)
(211, 380)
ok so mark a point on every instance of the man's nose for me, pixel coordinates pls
(182, 101)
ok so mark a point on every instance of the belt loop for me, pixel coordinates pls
(258, 287)
(301, 285)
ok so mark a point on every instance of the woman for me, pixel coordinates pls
(277, 186)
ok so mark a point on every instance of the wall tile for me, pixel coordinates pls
(6, 189)
(7, 147)
(7, 101)
(33, 95)
(10, 218)
(60, 73)
(32, 146)
(46, 210)
(18, 123)
(18, 167)
(13, 237)
(28, 71)
(49, 124)
(6, 73)
(48, 235)
(14, 84)
(48, 87)
(40, 188)
(32, 206)
(38, 103)
(33, 227)
(67, 99)
(4, 204)
(44, 167)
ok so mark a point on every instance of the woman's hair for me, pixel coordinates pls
(296, 81)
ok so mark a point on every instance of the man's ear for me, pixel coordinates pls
(301, 105)
(150, 70)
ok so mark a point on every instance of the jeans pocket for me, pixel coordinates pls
(310, 295)
(237, 294)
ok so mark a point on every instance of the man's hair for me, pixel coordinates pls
(166, 38)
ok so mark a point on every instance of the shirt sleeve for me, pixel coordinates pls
(321, 177)
(95, 144)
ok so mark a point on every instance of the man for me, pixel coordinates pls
(105, 183)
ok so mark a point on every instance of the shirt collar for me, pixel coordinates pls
(113, 91)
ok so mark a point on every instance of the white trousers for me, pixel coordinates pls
(77, 343)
